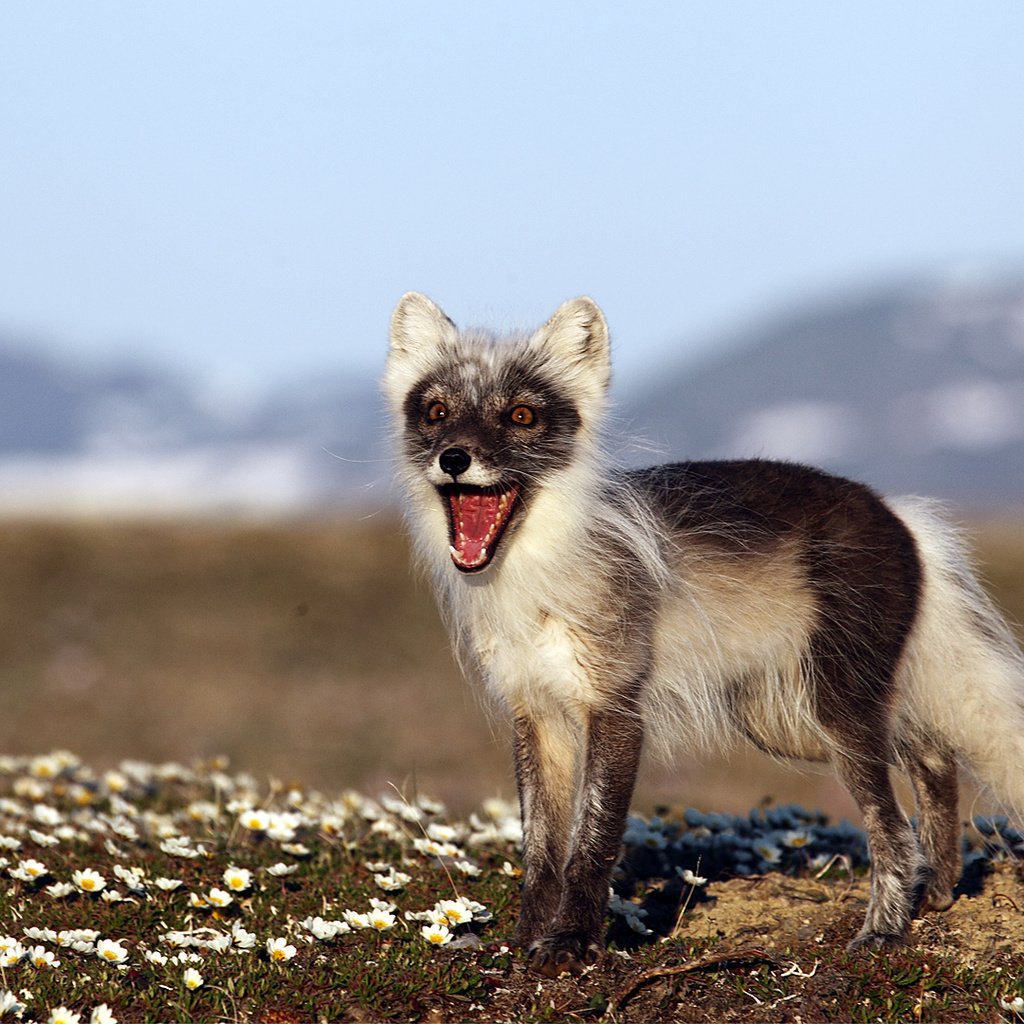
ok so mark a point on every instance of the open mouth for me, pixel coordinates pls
(477, 518)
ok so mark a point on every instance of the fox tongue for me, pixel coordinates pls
(477, 519)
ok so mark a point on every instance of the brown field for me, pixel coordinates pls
(302, 650)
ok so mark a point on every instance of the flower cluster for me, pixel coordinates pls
(214, 861)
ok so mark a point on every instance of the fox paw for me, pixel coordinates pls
(564, 952)
(936, 900)
(875, 940)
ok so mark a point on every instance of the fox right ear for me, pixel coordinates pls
(419, 328)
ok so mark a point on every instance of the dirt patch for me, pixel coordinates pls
(778, 913)
(773, 948)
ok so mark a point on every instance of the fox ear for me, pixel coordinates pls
(418, 328)
(418, 325)
(576, 342)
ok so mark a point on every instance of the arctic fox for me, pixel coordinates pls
(698, 602)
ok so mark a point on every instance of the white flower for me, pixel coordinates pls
(83, 940)
(511, 870)
(381, 920)
(42, 838)
(254, 820)
(796, 838)
(280, 831)
(29, 870)
(467, 868)
(9, 1004)
(167, 884)
(134, 878)
(1015, 1005)
(404, 810)
(45, 766)
(356, 920)
(115, 782)
(192, 978)
(387, 828)
(219, 898)
(102, 1014)
(242, 938)
(768, 851)
(325, 930)
(237, 879)
(11, 954)
(39, 957)
(436, 934)
(280, 870)
(219, 943)
(442, 833)
(46, 815)
(203, 810)
(429, 805)
(59, 890)
(393, 880)
(89, 880)
(62, 1015)
(435, 849)
(111, 951)
(280, 950)
(691, 879)
(179, 846)
(155, 957)
(455, 912)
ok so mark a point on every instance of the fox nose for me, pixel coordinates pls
(454, 461)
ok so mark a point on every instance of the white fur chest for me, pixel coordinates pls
(529, 657)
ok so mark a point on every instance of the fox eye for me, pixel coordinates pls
(437, 411)
(523, 416)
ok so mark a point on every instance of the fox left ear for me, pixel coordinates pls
(419, 327)
(419, 324)
(576, 340)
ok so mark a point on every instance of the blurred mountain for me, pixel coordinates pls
(141, 439)
(918, 387)
(914, 388)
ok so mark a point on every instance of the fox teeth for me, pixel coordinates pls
(453, 551)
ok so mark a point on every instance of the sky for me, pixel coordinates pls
(244, 188)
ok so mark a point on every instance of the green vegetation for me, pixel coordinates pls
(165, 892)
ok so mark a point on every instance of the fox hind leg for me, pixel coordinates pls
(933, 774)
(861, 677)
(896, 863)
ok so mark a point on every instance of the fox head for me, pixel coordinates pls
(485, 421)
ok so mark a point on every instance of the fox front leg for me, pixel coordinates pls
(545, 759)
(573, 939)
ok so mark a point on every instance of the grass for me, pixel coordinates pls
(166, 892)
